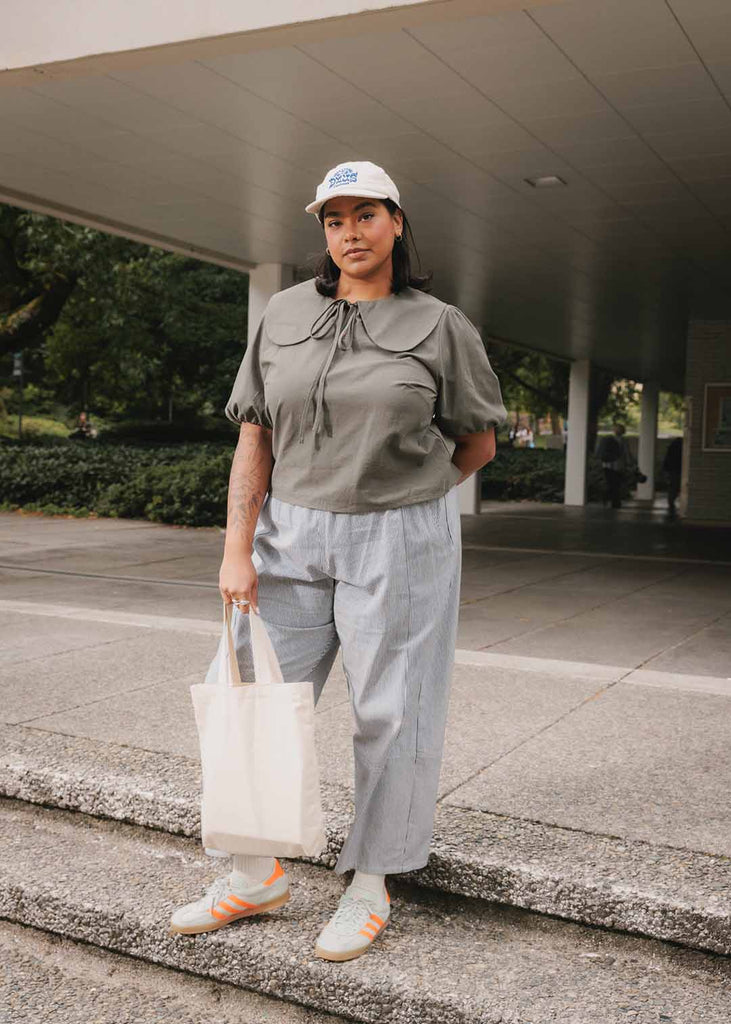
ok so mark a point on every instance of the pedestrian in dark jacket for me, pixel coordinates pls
(615, 459)
(671, 466)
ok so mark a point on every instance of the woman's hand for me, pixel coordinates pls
(238, 580)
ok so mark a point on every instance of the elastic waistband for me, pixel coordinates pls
(280, 502)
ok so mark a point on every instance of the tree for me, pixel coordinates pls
(41, 262)
(531, 380)
(131, 330)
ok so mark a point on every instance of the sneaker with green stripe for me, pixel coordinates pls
(226, 900)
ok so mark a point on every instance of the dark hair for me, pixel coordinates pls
(327, 273)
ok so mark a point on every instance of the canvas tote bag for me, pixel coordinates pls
(261, 782)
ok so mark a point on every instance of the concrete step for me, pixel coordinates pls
(441, 960)
(48, 978)
(661, 892)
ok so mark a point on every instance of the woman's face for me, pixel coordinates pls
(355, 222)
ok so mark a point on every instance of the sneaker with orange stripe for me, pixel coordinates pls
(360, 917)
(226, 901)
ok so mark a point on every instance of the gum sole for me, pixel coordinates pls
(249, 912)
(340, 958)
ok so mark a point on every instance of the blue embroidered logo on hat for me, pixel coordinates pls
(359, 178)
(345, 176)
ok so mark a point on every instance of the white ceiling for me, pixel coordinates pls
(627, 100)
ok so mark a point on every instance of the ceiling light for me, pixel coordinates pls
(547, 181)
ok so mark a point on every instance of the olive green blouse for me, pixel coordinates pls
(363, 398)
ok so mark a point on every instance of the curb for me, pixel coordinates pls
(442, 960)
(674, 895)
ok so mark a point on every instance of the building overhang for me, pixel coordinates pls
(206, 130)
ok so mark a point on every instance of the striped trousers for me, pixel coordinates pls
(384, 586)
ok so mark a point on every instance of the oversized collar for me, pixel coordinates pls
(397, 323)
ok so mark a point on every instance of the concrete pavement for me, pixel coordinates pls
(591, 690)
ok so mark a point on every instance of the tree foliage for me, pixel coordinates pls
(114, 325)
(530, 381)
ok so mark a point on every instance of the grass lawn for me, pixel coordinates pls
(33, 425)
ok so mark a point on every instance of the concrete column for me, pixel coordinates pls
(265, 280)
(648, 440)
(578, 423)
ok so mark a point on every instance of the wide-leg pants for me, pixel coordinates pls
(385, 586)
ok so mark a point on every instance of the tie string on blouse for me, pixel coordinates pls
(344, 315)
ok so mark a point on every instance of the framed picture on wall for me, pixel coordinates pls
(717, 418)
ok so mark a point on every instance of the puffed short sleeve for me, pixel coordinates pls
(246, 403)
(469, 399)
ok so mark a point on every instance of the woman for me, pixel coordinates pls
(362, 402)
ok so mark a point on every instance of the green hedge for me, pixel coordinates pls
(536, 474)
(190, 492)
(187, 484)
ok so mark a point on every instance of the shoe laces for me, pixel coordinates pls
(217, 891)
(351, 915)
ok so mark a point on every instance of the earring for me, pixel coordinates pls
(399, 238)
(327, 251)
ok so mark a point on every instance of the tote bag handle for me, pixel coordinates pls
(266, 663)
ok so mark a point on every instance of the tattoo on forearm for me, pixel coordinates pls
(248, 483)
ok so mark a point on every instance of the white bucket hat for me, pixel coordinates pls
(357, 178)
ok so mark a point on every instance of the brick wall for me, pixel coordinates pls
(709, 473)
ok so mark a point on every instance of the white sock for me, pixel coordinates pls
(375, 884)
(250, 870)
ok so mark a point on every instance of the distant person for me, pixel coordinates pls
(671, 465)
(615, 459)
(83, 428)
